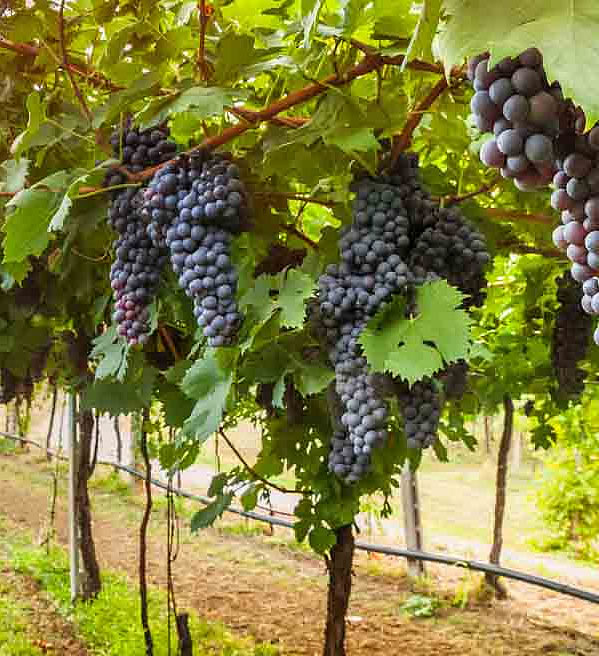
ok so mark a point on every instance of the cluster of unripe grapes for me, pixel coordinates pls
(188, 213)
(538, 138)
(399, 238)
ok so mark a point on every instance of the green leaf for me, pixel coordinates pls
(313, 378)
(426, 28)
(414, 348)
(207, 101)
(31, 210)
(310, 13)
(13, 174)
(351, 139)
(565, 32)
(322, 539)
(207, 516)
(209, 386)
(112, 353)
(249, 499)
(296, 289)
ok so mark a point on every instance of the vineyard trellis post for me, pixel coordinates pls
(410, 502)
(73, 529)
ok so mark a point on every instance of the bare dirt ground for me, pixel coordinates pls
(260, 587)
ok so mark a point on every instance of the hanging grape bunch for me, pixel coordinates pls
(135, 272)
(399, 238)
(571, 334)
(189, 211)
(539, 136)
(514, 101)
(207, 218)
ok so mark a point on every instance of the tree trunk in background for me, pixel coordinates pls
(488, 435)
(500, 485)
(339, 565)
(91, 579)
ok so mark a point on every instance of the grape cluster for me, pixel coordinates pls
(140, 149)
(455, 380)
(371, 271)
(421, 407)
(571, 334)
(169, 186)
(454, 250)
(199, 237)
(399, 238)
(135, 272)
(134, 275)
(576, 196)
(539, 136)
(514, 101)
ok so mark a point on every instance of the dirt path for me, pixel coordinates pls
(45, 627)
(277, 594)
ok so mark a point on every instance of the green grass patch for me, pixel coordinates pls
(110, 625)
(15, 639)
(112, 483)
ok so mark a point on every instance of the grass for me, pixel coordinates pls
(109, 625)
(15, 626)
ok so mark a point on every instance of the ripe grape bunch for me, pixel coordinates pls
(371, 271)
(576, 196)
(571, 334)
(135, 273)
(514, 101)
(392, 245)
(210, 212)
(539, 136)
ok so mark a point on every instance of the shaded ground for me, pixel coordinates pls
(262, 587)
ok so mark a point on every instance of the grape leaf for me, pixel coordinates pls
(413, 348)
(207, 516)
(112, 353)
(208, 385)
(26, 228)
(207, 101)
(296, 289)
(423, 35)
(13, 174)
(565, 32)
(322, 539)
(121, 398)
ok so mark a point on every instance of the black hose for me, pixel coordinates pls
(474, 565)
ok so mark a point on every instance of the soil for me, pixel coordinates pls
(277, 594)
(49, 631)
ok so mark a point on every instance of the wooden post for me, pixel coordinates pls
(411, 516)
(73, 532)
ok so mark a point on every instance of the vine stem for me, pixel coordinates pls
(404, 138)
(369, 63)
(293, 196)
(166, 336)
(252, 471)
(292, 230)
(483, 189)
(203, 65)
(94, 77)
(65, 64)
(143, 535)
